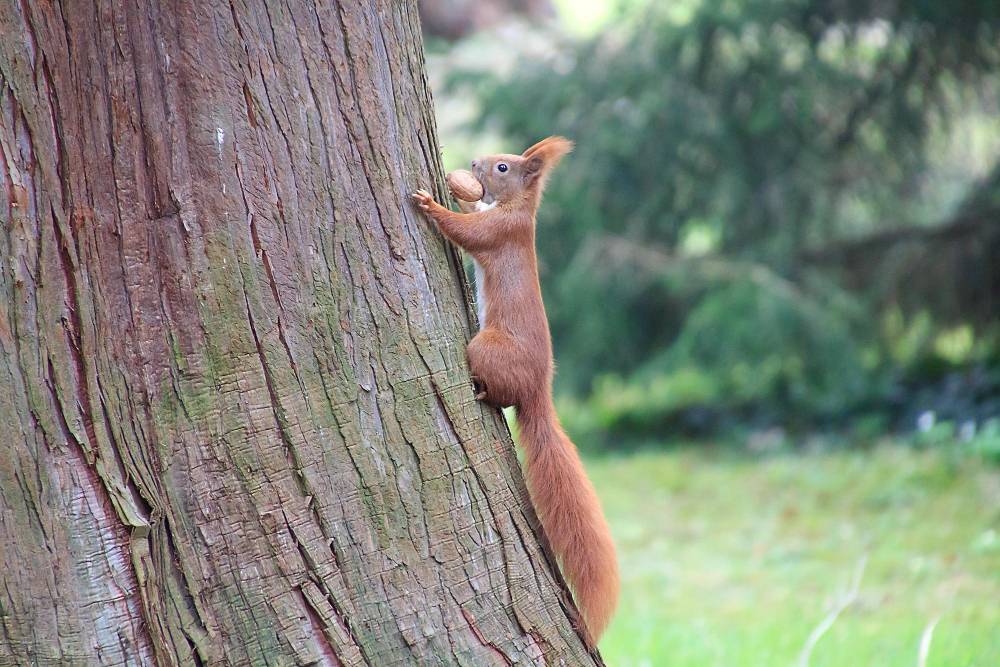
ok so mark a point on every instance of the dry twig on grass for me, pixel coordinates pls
(925, 641)
(841, 602)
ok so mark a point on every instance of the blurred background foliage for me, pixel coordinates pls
(772, 270)
(779, 213)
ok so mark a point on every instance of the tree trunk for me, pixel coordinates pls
(236, 422)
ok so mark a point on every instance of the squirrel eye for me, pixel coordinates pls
(501, 167)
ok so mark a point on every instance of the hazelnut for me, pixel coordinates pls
(464, 185)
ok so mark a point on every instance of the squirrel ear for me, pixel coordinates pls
(528, 152)
(533, 167)
(550, 147)
(543, 156)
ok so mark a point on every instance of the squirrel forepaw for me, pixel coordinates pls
(423, 199)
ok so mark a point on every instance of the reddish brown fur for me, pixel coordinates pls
(511, 360)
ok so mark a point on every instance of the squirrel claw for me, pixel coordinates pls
(423, 199)
(479, 387)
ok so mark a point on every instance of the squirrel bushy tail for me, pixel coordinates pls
(570, 513)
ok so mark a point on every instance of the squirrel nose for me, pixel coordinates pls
(475, 163)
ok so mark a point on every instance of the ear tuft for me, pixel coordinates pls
(542, 157)
(550, 149)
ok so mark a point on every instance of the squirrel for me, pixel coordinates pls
(511, 364)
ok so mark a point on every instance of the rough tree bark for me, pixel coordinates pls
(236, 425)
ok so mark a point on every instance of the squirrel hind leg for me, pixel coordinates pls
(479, 387)
(499, 372)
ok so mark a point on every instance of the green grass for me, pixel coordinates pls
(733, 560)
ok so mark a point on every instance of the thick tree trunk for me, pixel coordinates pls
(236, 425)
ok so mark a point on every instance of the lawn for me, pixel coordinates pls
(731, 560)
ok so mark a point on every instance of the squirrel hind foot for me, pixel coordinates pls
(479, 387)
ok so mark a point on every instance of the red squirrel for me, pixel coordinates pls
(511, 364)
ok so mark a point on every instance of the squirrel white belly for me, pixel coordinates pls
(481, 276)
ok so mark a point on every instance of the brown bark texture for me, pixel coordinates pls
(236, 422)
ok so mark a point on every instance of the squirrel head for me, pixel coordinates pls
(507, 178)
